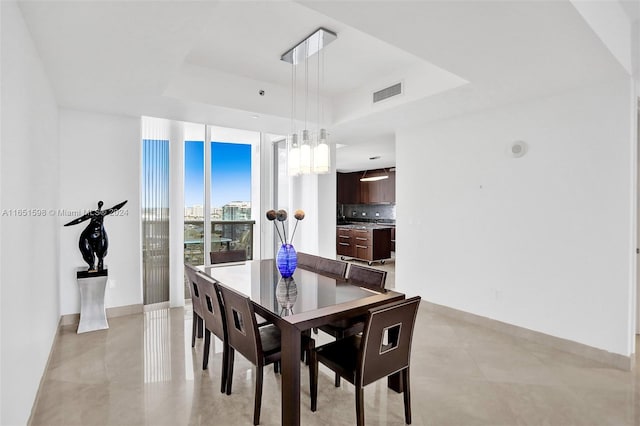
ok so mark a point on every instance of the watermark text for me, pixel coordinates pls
(38, 212)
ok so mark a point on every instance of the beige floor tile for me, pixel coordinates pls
(512, 365)
(546, 405)
(445, 363)
(143, 371)
(459, 402)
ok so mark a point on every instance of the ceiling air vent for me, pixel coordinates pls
(388, 92)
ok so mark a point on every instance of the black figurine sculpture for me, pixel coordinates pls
(93, 240)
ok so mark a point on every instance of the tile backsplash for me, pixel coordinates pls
(367, 212)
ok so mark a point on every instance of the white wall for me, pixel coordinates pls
(316, 195)
(545, 241)
(327, 210)
(304, 196)
(29, 310)
(100, 160)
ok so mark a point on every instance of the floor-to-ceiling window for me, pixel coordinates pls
(202, 203)
(231, 224)
(218, 193)
(231, 193)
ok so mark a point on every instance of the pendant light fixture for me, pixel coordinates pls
(375, 176)
(308, 151)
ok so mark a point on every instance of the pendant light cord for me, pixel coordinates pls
(293, 98)
(322, 84)
(306, 83)
(318, 91)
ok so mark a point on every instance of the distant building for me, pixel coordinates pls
(216, 213)
(194, 212)
(236, 210)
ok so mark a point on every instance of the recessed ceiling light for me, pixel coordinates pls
(255, 116)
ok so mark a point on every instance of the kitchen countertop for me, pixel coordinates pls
(366, 225)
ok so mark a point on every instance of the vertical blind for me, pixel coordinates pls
(155, 210)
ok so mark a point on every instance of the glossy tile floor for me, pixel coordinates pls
(143, 371)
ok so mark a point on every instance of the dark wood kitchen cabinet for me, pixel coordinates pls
(389, 190)
(363, 242)
(369, 244)
(344, 242)
(348, 190)
(393, 238)
(379, 191)
(351, 191)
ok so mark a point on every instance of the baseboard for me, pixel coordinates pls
(117, 311)
(44, 375)
(599, 355)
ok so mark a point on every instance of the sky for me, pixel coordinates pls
(230, 173)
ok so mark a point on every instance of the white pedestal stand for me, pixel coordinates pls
(92, 312)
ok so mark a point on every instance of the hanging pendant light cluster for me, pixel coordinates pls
(308, 149)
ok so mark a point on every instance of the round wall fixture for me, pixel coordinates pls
(517, 149)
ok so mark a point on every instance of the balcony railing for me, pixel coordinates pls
(225, 235)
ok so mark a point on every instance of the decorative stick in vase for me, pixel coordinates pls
(286, 259)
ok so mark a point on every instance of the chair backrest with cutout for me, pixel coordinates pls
(191, 272)
(386, 340)
(242, 329)
(212, 310)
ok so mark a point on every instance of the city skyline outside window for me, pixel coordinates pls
(229, 196)
(230, 180)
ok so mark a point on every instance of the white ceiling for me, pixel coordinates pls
(632, 9)
(250, 45)
(206, 61)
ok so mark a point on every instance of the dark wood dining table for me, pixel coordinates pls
(309, 300)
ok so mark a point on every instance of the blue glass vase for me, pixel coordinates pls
(287, 260)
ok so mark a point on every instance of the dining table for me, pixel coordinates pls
(307, 300)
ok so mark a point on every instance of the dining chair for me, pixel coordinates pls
(214, 322)
(197, 328)
(367, 277)
(227, 256)
(259, 345)
(373, 279)
(332, 267)
(307, 261)
(383, 349)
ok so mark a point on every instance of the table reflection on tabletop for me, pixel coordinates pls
(305, 291)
